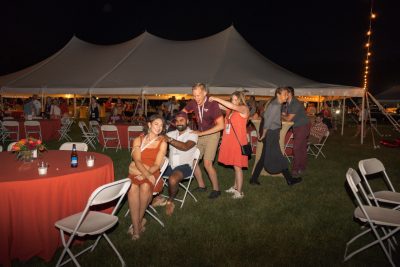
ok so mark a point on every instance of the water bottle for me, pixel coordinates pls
(74, 157)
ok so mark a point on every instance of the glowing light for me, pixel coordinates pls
(373, 16)
(368, 32)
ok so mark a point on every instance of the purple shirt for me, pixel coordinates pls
(206, 114)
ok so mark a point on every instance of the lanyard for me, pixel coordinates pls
(201, 111)
(149, 143)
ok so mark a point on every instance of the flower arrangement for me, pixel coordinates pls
(25, 147)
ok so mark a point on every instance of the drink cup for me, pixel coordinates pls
(42, 168)
(89, 161)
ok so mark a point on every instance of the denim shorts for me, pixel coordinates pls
(185, 169)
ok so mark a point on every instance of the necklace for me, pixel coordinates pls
(146, 142)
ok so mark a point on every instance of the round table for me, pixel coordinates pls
(30, 204)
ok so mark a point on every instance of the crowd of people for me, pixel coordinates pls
(198, 124)
(213, 116)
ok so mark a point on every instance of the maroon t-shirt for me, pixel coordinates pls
(205, 114)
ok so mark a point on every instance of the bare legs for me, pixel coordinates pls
(212, 173)
(238, 178)
(139, 198)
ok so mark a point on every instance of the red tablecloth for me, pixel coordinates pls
(30, 204)
(49, 129)
(123, 135)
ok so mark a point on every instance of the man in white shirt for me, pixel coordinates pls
(37, 105)
(182, 145)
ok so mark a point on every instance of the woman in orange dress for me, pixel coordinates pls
(148, 152)
(230, 152)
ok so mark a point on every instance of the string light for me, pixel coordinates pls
(368, 46)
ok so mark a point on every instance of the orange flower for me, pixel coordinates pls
(39, 142)
(16, 148)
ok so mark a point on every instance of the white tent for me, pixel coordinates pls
(152, 65)
(390, 95)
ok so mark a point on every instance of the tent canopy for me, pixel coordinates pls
(152, 65)
(390, 95)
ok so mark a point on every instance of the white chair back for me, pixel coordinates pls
(10, 146)
(133, 132)
(80, 146)
(91, 222)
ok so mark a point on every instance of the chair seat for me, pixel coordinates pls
(378, 215)
(95, 223)
(387, 197)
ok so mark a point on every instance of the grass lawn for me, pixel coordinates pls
(274, 225)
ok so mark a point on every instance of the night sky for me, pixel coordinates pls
(321, 40)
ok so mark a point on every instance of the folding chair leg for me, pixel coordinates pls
(155, 217)
(379, 240)
(115, 250)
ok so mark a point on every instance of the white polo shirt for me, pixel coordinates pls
(178, 157)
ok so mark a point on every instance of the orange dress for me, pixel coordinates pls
(149, 157)
(230, 152)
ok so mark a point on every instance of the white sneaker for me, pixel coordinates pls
(238, 195)
(231, 190)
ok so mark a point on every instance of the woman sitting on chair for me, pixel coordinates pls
(148, 152)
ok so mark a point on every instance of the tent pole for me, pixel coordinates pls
(362, 118)
(42, 100)
(146, 102)
(343, 110)
(74, 106)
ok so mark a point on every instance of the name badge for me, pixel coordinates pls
(228, 128)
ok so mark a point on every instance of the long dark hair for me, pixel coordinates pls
(151, 119)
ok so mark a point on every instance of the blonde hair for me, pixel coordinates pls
(240, 95)
(202, 86)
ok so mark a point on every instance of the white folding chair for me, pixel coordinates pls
(11, 129)
(93, 223)
(253, 141)
(8, 118)
(151, 210)
(316, 149)
(288, 146)
(375, 166)
(65, 128)
(32, 127)
(110, 135)
(89, 137)
(80, 146)
(1, 148)
(382, 222)
(3, 132)
(10, 146)
(188, 179)
(133, 132)
(94, 127)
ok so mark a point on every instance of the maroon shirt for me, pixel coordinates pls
(210, 113)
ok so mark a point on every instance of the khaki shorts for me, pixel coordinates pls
(208, 145)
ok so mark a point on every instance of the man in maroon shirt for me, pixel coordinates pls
(210, 122)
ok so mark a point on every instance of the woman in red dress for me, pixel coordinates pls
(148, 152)
(234, 136)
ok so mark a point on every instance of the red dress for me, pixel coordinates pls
(229, 151)
(148, 157)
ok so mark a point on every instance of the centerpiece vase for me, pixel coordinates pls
(26, 156)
